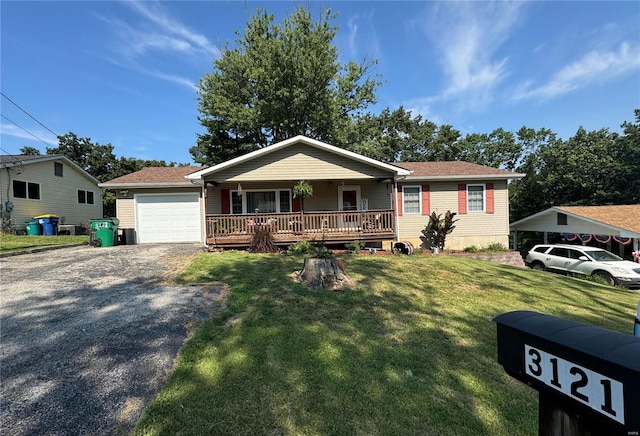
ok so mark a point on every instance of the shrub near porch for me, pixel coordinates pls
(412, 350)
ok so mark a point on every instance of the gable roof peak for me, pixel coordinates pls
(295, 140)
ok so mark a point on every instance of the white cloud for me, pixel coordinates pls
(466, 37)
(362, 40)
(171, 34)
(157, 39)
(16, 132)
(423, 107)
(594, 66)
(182, 34)
(174, 79)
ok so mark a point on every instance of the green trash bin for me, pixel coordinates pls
(104, 232)
(33, 228)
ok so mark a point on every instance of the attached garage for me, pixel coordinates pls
(168, 218)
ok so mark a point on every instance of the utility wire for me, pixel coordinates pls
(32, 117)
(20, 127)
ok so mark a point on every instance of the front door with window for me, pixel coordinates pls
(348, 200)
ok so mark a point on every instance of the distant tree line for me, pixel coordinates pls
(99, 161)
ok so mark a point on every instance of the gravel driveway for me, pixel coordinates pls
(89, 335)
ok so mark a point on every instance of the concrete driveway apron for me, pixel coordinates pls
(89, 335)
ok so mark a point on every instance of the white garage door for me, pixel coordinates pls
(168, 218)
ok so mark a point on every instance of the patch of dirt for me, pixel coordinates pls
(208, 302)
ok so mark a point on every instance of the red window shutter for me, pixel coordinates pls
(295, 207)
(426, 200)
(489, 195)
(399, 201)
(225, 201)
(462, 199)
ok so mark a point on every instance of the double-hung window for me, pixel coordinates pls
(475, 198)
(410, 199)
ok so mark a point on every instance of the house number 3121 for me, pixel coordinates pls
(601, 393)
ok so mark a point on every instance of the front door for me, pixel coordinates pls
(348, 200)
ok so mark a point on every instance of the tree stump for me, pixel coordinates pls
(324, 274)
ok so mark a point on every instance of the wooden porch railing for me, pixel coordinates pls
(290, 227)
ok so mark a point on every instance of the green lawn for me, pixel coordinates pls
(23, 242)
(412, 350)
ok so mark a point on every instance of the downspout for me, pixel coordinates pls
(395, 209)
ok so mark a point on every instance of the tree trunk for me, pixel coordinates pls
(326, 274)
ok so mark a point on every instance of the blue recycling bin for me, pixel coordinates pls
(49, 224)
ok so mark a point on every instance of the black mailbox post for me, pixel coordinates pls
(588, 378)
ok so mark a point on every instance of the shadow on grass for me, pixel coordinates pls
(412, 350)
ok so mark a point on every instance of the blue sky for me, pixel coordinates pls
(124, 72)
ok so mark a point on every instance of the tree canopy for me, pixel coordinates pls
(99, 161)
(279, 81)
(589, 169)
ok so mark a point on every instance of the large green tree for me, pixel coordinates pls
(29, 151)
(627, 150)
(278, 81)
(98, 160)
(588, 169)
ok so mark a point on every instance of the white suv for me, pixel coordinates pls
(588, 261)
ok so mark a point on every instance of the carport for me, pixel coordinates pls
(611, 225)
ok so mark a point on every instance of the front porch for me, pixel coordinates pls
(336, 227)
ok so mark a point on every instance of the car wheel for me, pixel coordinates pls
(605, 276)
(537, 266)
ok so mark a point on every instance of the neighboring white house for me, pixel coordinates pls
(47, 184)
(614, 227)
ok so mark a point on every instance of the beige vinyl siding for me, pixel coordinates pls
(58, 195)
(125, 212)
(325, 193)
(300, 162)
(473, 228)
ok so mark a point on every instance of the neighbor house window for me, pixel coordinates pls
(562, 219)
(85, 197)
(57, 169)
(275, 201)
(26, 190)
(411, 199)
(475, 198)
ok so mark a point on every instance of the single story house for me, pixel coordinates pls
(616, 227)
(354, 198)
(33, 185)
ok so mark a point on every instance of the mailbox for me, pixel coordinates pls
(585, 371)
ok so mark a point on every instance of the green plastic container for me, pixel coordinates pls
(33, 228)
(104, 232)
